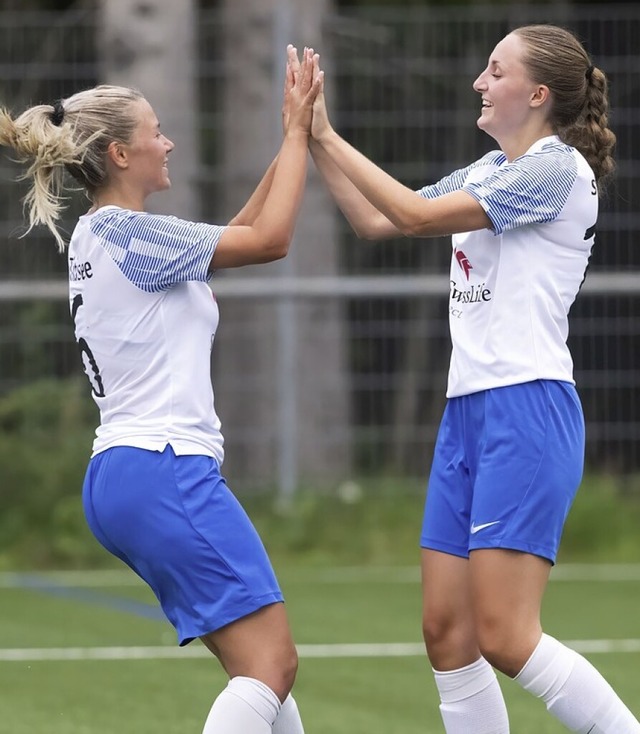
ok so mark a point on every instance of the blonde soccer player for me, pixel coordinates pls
(145, 322)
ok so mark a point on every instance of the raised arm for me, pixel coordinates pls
(249, 212)
(253, 207)
(365, 220)
(269, 235)
(375, 203)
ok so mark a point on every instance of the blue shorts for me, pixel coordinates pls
(507, 466)
(175, 522)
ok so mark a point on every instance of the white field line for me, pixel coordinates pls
(602, 572)
(105, 578)
(353, 650)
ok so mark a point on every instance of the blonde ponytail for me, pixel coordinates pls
(69, 137)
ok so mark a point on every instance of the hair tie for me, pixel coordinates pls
(588, 73)
(57, 116)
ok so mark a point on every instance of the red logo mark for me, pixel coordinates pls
(464, 263)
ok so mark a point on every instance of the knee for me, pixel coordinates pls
(281, 674)
(436, 629)
(289, 670)
(449, 639)
(274, 665)
(505, 645)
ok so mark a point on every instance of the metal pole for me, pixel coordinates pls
(287, 382)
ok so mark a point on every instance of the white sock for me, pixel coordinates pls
(471, 700)
(288, 721)
(246, 706)
(574, 692)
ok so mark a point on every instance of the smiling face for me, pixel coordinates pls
(147, 152)
(509, 96)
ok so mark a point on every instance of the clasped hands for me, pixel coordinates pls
(304, 108)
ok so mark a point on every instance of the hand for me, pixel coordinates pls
(292, 68)
(320, 124)
(301, 89)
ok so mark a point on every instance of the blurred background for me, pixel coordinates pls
(329, 367)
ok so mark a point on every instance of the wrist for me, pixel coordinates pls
(324, 137)
(297, 133)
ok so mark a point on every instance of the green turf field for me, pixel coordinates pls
(82, 653)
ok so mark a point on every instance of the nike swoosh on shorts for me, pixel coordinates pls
(477, 528)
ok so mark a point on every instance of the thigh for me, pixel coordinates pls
(448, 619)
(507, 588)
(447, 509)
(255, 639)
(259, 645)
(529, 467)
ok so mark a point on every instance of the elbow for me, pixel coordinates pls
(280, 253)
(363, 233)
(415, 220)
(413, 228)
(370, 231)
(276, 249)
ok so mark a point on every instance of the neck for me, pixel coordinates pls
(515, 147)
(113, 197)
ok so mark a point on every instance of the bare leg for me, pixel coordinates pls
(471, 699)
(260, 658)
(508, 587)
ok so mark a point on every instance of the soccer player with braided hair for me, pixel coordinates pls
(509, 454)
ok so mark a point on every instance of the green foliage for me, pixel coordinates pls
(603, 523)
(373, 522)
(379, 523)
(46, 431)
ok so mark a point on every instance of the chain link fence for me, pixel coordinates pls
(400, 90)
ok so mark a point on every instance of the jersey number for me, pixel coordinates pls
(88, 360)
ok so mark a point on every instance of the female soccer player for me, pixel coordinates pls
(510, 449)
(145, 321)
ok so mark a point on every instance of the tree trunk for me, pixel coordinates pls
(150, 46)
(286, 417)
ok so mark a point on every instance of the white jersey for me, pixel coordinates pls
(145, 319)
(511, 287)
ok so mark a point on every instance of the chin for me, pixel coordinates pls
(486, 127)
(482, 124)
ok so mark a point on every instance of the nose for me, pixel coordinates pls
(480, 83)
(169, 144)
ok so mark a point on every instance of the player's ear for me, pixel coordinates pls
(117, 154)
(540, 96)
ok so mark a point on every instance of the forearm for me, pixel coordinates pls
(247, 215)
(399, 204)
(277, 217)
(365, 220)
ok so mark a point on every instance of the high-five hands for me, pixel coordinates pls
(320, 125)
(303, 82)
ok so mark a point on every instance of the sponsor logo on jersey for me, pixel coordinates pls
(78, 270)
(463, 262)
(466, 293)
(471, 294)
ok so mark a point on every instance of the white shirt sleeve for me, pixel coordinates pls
(153, 251)
(531, 190)
(456, 180)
